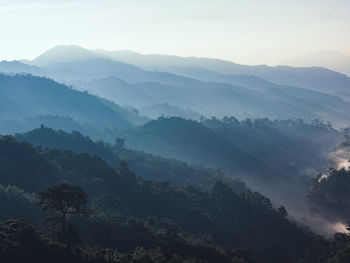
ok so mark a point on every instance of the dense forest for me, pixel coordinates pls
(261, 142)
(201, 224)
(329, 194)
(150, 167)
(272, 156)
(223, 220)
(140, 197)
(249, 150)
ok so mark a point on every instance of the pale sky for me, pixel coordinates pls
(244, 31)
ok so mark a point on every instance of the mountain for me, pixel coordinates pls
(93, 68)
(248, 81)
(17, 125)
(128, 85)
(145, 165)
(326, 58)
(158, 110)
(209, 87)
(129, 212)
(75, 141)
(314, 78)
(221, 99)
(145, 94)
(272, 156)
(200, 90)
(62, 54)
(117, 90)
(18, 67)
(166, 190)
(252, 150)
(26, 96)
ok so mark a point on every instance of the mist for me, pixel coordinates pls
(188, 131)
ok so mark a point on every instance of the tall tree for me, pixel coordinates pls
(61, 202)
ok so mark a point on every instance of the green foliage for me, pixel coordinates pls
(127, 233)
(74, 141)
(61, 202)
(64, 199)
(332, 193)
(148, 166)
(229, 219)
(271, 155)
(16, 203)
(22, 166)
(259, 146)
(335, 250)
(21, 242)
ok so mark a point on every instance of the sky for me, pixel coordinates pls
(244, 31)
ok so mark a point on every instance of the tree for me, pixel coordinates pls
(119, 142)
(283, 211)
(63, 201)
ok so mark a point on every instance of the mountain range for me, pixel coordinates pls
(328, 58)
(205, 87)
(316, 78)
(27, 97)
(182, 159)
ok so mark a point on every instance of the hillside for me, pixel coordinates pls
(272, 156)
(255, 97)
(220, 214)
(27, 96)
(328, 58)
(18, 67)
(197, 85)
(145, 165)
(314, 78)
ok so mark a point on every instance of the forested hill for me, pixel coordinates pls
(29, 96)
(226, 219)
(248, 148)
(271, 156)
(145, 165)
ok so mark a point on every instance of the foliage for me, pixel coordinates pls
(61, 202)
(331, 193)
(146, 165)
(22, 242)
(336, 250)
(16, 203)
(230, 220)
(259, 146)
(73, 141)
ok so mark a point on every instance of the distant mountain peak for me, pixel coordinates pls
(331, 59)
(16, 66)
(62, 54)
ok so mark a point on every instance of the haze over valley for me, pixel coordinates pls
(199, 133)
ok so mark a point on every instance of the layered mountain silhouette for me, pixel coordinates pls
(29, 97)
(175, 153)
(272, 156)
(328, 58)
(316, 78)
(207, 87)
